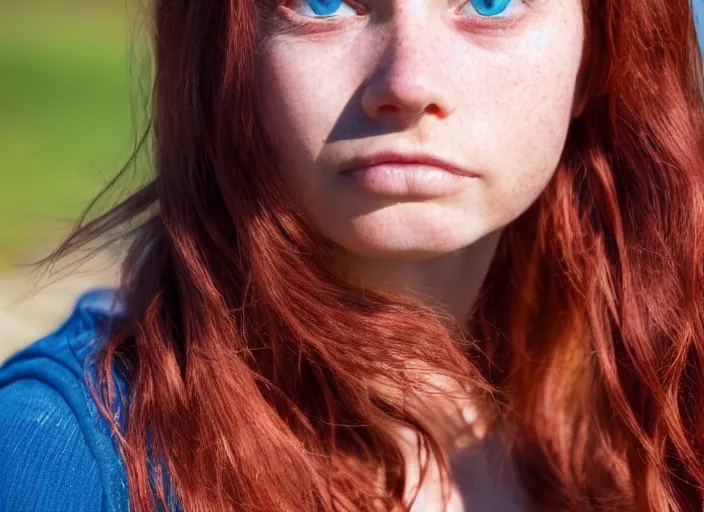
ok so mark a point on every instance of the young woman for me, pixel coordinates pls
(396, 255)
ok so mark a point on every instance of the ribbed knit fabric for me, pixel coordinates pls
(56, 451)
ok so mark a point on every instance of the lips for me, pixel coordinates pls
(414, 159)
(407, 180)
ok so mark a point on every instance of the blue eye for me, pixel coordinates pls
(325, 8)
(490, 7)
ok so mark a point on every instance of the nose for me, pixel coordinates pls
(410, 79)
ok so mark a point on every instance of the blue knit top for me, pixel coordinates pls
(57, 451)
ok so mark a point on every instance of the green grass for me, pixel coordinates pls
(65, 117)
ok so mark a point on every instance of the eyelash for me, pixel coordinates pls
(314, 24)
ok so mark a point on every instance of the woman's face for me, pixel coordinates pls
(488, 85)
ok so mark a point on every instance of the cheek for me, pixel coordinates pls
(527, 120)
(299, 104)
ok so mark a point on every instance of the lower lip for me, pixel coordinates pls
(401, 180)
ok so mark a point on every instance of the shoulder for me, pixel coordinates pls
(57, 450)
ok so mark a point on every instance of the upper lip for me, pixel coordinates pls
(386, 157)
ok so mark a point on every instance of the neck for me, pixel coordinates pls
(450, 280)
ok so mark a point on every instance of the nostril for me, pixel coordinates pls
(434, 109)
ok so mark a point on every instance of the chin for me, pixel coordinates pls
(404, 238)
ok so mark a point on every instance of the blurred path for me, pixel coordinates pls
(32, 304)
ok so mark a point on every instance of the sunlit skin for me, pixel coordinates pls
(495, 93)
(490, 85)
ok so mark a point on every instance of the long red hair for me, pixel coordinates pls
(262, 380)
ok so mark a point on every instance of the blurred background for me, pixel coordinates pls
(72, 95)
(70, 109)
